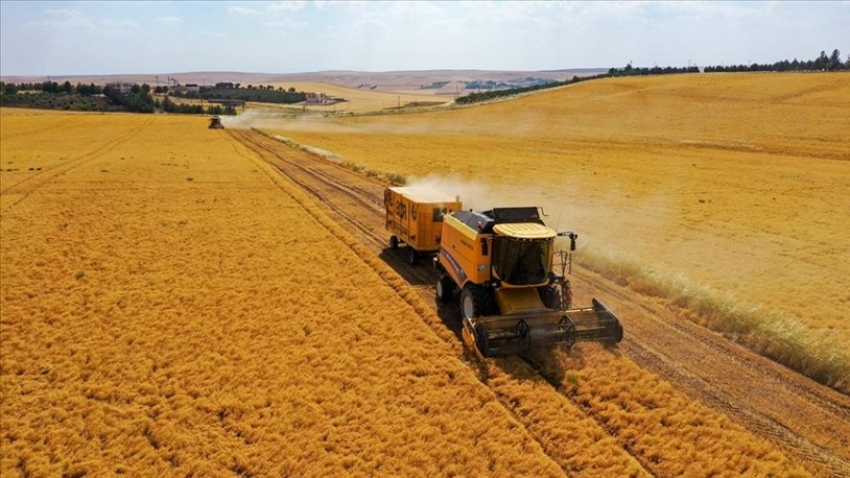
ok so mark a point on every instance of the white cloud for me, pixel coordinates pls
(287, 6)
(117, 26)
(62, 19)
(170, 21)
(285, 23)
(241, 11)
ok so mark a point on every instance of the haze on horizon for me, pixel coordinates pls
(100, 38)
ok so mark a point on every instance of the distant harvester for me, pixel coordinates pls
(215, 123)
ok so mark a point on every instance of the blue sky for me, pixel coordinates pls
(75, 38)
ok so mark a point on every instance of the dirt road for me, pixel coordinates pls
(809, 422)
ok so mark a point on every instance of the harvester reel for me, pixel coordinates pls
(569, 331)
(522, 332)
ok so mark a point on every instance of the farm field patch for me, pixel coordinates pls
(360, 100)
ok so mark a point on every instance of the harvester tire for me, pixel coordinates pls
(412, 256)
(393, 242)
(445, 288)
(476, 301)
(553, 297)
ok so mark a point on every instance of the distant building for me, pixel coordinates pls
(123, 88)
(187, 88)
(317, 99)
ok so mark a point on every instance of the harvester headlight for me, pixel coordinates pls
(482, 267)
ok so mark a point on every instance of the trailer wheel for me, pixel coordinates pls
(412, 256)
(393, 242)
(476, 301)
(445, 288)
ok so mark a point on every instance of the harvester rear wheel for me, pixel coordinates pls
(445, 288)
(476, 301)
(393, 242)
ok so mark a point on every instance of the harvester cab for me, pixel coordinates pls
(215, 123)
(511, 301)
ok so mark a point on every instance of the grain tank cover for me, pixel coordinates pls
(515, 214)
(423, 194)
(524, 230)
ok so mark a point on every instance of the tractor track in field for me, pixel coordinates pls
(301, 169)
(29, 184)
(808, 421)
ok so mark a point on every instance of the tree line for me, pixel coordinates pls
(90, 97)
(169, 106)
(235, 91)
(138, 100)
(821, 63)
(51, 87)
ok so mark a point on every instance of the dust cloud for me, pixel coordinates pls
(251, 119)
(482, 196)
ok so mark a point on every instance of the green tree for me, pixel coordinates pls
(834, 62)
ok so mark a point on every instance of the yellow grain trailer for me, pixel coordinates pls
(415, 217)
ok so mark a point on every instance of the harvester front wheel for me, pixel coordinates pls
(445, 288)
(553, 297)
(393, 242)
(475, 301)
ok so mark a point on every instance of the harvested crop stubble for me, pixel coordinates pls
(671, 434)
(156, 325)
(578, 443)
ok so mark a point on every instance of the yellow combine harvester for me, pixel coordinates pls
(511, 300)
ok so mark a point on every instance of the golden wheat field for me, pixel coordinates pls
(732, 186)
(172, 306)
(360, 100)
(169, 308)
